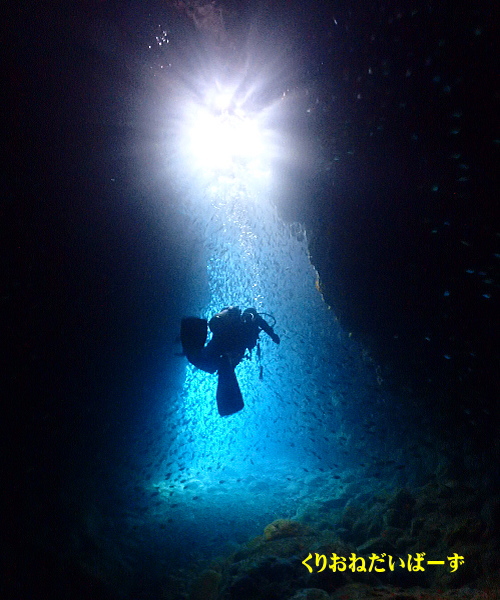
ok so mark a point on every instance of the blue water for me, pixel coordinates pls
(214, 482)
(380, 158)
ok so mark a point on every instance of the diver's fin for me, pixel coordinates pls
(229, 398)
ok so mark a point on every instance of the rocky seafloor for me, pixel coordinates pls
(364, 545)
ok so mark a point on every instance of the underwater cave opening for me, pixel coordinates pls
(214, 482)
(317, 427)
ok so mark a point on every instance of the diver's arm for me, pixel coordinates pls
(268, 329)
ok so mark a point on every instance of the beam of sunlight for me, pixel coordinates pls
(217, 479)
(254, 259)
(219, 139)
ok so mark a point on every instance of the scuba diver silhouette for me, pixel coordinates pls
(233, 333)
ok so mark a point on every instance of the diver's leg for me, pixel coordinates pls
(207, 359)
(194, 333)
(203, 361)
(234, 358)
